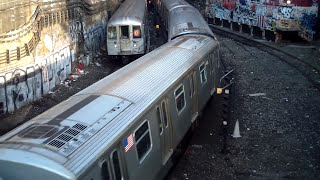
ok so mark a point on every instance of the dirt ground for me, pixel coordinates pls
(278, 110)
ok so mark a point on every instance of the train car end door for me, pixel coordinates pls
(166, 132)
(193, 96)
(213, 70)
(124, 38)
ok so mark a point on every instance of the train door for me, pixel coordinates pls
(124, 38)
(212, 73)
(193, 96)
(165, 131)
(112, 166)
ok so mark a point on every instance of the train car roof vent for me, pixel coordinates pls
(80, 127)
(56, 143)
(68, 135)
(37, 131)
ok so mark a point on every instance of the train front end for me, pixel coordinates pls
(125, 39)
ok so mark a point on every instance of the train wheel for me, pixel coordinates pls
(125, 60)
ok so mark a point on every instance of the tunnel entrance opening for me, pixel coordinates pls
(245, 29)
(226, 23)
(270, 35)
(235, 26)
(292, 37)
(256, 32)
(218, 22)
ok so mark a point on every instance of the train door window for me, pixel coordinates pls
(112, 32)
(105, 173)
(124, 32)
(116, 165)
(180, 99)
(136, 31)
(159, 120)
(192, 85)
(216, 57)
(203, 73)
(212, 62)
(164, 113)
(143, 140)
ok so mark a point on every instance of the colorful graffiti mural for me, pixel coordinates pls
(294, 15)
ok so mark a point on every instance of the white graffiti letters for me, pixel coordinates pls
(286, 11)
(20, 87)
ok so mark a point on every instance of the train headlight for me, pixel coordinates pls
(115, 46)
(288, 1)
(134, 44)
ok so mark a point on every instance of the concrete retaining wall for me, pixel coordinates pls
(57, 40)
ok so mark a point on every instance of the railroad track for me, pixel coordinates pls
(309, 71)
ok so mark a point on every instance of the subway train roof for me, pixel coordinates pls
(97, 116)
(123, 15)
(171, 4)
(185, 19)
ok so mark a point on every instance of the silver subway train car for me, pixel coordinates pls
(127, 29)
(180, 18)
(125, 126)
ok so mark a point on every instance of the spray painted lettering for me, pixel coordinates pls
(268, 15)
(285, 11)
(22, 86)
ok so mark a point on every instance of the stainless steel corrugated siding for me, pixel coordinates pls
(142, 82)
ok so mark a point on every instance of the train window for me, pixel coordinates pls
(212, 58)
(112, 32)
(124, 31)
(192, 85)
(180, 99)
(116, 165)
(159, 120)
(105, 171)
(143, 140)
(136, 31)
(203, 73)
(164, 113)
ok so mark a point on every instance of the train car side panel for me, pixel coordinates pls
(203, 81)
(109, 165)
(143, 158)
(180, 110)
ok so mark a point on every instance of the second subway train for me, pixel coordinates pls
(127, 31)
(127, 125)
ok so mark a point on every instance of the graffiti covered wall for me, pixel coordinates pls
(295, 15)
(62, 37)
(94, 31)
(22, 86)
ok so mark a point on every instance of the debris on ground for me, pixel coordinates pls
(257, 94)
